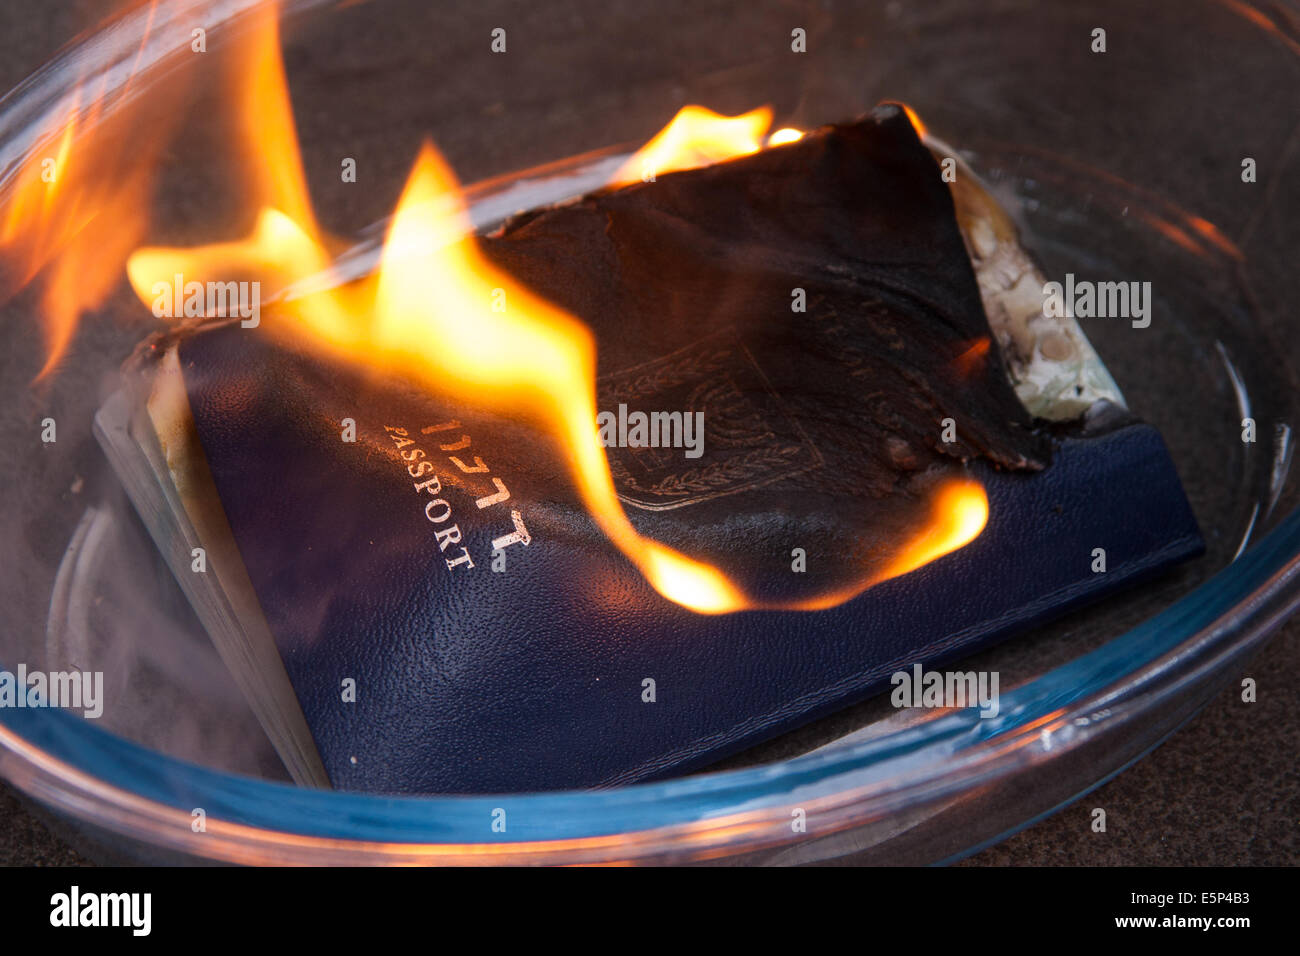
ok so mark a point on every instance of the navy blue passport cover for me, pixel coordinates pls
(821, 433)
(474, 681)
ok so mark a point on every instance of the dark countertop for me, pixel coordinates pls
(1225, 789)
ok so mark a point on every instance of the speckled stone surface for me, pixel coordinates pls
(1225, 789)
(26, 841)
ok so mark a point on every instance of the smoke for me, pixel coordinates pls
(116, 608)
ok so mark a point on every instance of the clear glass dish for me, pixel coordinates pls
(1118, 164)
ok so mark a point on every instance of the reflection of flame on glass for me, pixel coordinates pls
(77, 207)
(437, 311)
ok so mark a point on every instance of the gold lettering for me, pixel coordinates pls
(447, 536)
(503, 494)
(478, 466)
(519, 536)
(443, 427)
(463, 559)
(428, 513)
(433, 486)
(419, 471)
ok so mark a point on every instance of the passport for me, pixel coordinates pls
(385, 652)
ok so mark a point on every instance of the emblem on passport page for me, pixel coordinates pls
(749, 440)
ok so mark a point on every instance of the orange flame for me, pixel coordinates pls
(433, 284)
(960, 512)
(696, 137)
(531, 355)
(496, 340)
(915, 120)
(973, 357)
(269, 139)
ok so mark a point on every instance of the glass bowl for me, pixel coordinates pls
(1126, 163)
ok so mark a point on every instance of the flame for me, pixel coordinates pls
(972, 358)
(269, 139)
(696, 137)
(496, 341)
(786, 134)
(433, 285)
(915, 121)
(959, 514)
(287, 244)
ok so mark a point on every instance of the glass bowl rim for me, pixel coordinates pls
(91, 774)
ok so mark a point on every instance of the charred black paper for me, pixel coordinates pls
(829, 418)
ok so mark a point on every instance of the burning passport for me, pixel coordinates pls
(497, 565)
